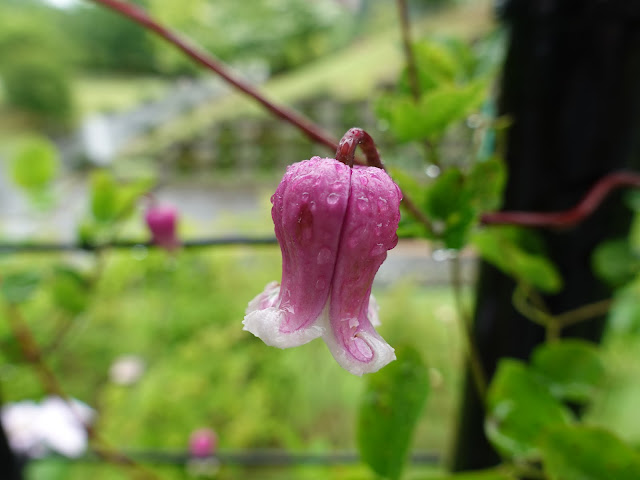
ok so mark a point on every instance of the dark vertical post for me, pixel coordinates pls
(571, 83)
(10, 466)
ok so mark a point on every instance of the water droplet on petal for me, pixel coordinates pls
(324, 255)
(363, 204)
(333, 198)
(321, 283)
(361, 350)
(353, 323)
(305, 196)
(382, 204)
(379, 249)
(364, 180)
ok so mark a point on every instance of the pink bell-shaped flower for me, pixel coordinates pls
(162, 222)
(334, 225)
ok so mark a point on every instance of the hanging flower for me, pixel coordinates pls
(162, 222)
(334, 225)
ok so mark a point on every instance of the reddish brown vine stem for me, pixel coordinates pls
(309, 128)
(138, 15)
(350, 141)
(571, 217)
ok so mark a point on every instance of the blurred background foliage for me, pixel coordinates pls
(179, 316)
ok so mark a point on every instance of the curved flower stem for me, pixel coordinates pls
(573, 216)
(51, 385)
(345, 152)
(478, 373)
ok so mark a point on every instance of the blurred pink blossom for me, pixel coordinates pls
(203, 442)
(162, 222)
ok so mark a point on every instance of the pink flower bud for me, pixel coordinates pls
(162, 221)
(203, 443)
(334, 225)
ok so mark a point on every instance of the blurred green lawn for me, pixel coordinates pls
(183, 315)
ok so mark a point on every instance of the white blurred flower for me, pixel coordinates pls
(126, 369)
(53, 425)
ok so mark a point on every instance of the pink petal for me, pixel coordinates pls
(309, 207)
(369, 230)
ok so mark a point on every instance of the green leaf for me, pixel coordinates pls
(70, 290)
(492, 474)
(35, 164)
(507, 249)
(435, 111)
(615, 262)
(436, 66)
(447, 205)
(573, 369)
(588, 453)
(104, 196)
(19, 287)
(391, 407)
(520, 409)
(486, 183)
(128, 196)
(624, 316)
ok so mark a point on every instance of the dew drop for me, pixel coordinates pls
(379, 249)
(305, 196)
(333, 198)
(353, 323)
(432, 171)
(321, 283)
(324, 255)
(363, 204)
(382, 204)
(364, 180)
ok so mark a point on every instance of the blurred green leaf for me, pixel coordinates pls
(615, 262)
(104, 196)
(520, 409)
(70, 290)
(35, 163)
(573, 369)
(588, 453)
(624, 316)
(486, 183)
(19, 287)
(447, 204)
(408, 184)
(436, 65)
(390, 409)
(507, 249)
(435, 111)
(492, 474)
(128, 195)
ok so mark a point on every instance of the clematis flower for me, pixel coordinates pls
(334, 225)
(162, 221)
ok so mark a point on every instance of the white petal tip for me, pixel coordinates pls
(265, 324)
(383, 354)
